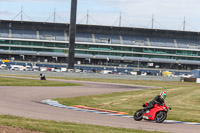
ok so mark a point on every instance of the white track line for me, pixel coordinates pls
(56, 104)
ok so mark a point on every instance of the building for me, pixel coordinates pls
(100, 45)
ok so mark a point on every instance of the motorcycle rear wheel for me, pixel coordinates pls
(161, 116)
(138, 115)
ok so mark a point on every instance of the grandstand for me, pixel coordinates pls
(40, 42)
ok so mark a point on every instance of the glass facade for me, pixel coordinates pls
(18, 45)
(100, 49)
(129, 52)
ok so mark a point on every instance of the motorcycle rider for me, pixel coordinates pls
(42, 77)
(159, 99)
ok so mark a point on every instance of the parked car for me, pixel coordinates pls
(105, 72)
(186, 75)
(17, 67)
(36, 68)
(43, 69)
(28, 68)
(57, 70)
(3, 67)
(14, 67)
(63, 69)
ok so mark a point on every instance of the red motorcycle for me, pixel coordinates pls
(158, 113)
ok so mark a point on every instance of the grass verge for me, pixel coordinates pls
(5, 81)
(61, 127)
(182, 97)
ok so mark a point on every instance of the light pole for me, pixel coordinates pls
(139, 63)
(72, 34)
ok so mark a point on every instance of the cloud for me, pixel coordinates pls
(137, 13)
(34, 0)
(169, 13)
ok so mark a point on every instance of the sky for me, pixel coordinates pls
(167, 14)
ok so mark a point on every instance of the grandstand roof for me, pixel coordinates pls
(100, 29)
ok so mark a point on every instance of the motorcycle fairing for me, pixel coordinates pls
(152, 113)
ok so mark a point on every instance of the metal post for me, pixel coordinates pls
(87, 20)
(152, 26)
(120, 19)
(184, 24)
(22, 13)
(72, 34)
(54, 15)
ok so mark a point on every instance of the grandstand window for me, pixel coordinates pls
(104, 40)
(81, 52)
(105, 48)
(178, 52)
(80, 46)
(45, 50)
(117, 48)
(138, 42)
(94, 47)
(170, 51)
(118, 54)
(49, 37)
(137, 50)
(26, 49)
(137, 55)
(184, 52)
(126, 49)
(190, 53)
(195, 53)
(4, 48)
(130, 55)
(15, 48)
(61, 45)
(25, 43)
(89, 52)
(37, 44)
(164, 57)
(149, 50)
(156, 56)
(160, 51)
(102, 53)
(58, 51)
(49, 50)
(36, 49)
(15, 42)
(4, 42)
(93, 53)
(192, 46)
(48, 44)
(112, 54)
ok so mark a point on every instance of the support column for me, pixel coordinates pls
(10, 33)
(72, 34)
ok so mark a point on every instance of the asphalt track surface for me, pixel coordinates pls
(26, 102)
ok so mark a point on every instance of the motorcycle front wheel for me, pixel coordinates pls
(138, 115)
(161, 116)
